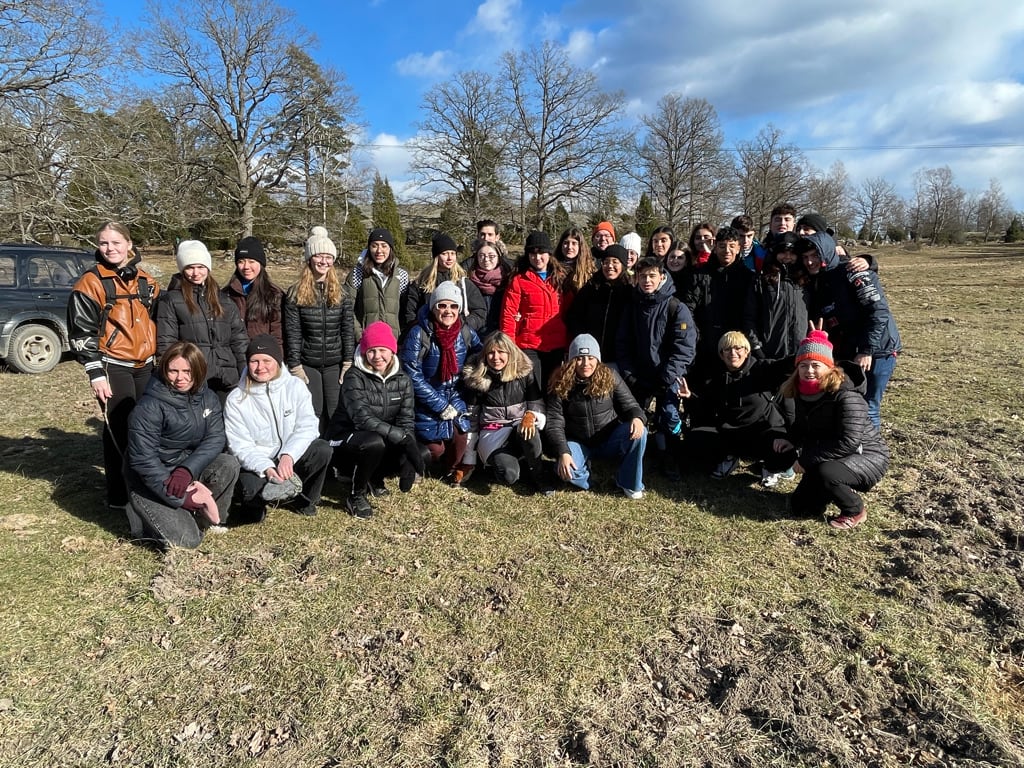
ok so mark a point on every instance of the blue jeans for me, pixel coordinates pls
(618, 445)
(877, 380)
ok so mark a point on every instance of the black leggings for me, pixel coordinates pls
(325, 387)
(127, 385)
(825, 483)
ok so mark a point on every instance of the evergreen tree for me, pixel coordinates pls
(645, 221)
(1015, 232)
(385, 212)
(353, 236)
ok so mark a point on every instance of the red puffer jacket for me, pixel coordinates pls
(532, 314)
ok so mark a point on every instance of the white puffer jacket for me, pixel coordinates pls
(264, 421)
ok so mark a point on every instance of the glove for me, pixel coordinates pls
(528, 426)
(300, 373)
(450, 412)
(413, 454)
(177, 483)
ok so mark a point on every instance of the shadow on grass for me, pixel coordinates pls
(71, 463)
(738, 495)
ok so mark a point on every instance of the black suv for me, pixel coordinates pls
(35, 284)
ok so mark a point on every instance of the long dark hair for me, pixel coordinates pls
(263, 302)
(210, 291)
(662, 230)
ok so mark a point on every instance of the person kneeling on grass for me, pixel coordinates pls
(737, 415)
(272, 429)
(373, 428)
(591, 413)
(179, 480)
(507, 408)
(838, 447)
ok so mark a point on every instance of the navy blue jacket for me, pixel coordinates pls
(657, 340)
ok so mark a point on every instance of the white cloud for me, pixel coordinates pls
(390, 155)
(436, 65)
(497, 17)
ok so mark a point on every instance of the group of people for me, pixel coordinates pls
(573, 351)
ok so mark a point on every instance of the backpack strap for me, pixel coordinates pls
(144, 294)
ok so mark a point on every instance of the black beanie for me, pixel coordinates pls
(264, 344)
(813, 221)
(250, 248)
(442, 243)
(380, 234)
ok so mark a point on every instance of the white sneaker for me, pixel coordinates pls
(632, 494)
(283, 491)
(770, 479)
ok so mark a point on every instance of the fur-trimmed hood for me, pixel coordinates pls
(477, 376)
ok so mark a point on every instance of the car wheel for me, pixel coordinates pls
(34, 349)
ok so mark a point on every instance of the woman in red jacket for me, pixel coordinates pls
(532, 314)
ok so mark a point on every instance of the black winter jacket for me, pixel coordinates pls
(775, 317)
(474, 308)
(744, 398)
(169, 429)
(373, 402)
(588, 420)
(836, 427)
(598, 309)
(222, 340)
(318, 336)
(717, 296)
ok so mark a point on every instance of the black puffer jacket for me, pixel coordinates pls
(743, 398)
(716, 296)
(222, 340)
(169, 429)
(373, 402)
(836, 427)
(588, 420)
(775, 317)
(598, 309)
(319, 335)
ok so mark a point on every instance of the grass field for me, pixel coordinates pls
(699, 627)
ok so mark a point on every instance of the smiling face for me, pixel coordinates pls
(727, 251)
(179, 375)
(446, 260)
(703, 241)
(379, 252)
(603, 238)
(497, 358)
(379, 358)
(570, 248)
(660, 243)
(650, 280)
(585, 365)
(675, 261)
(487, 257)
(812, 261)
(196, 273)
(783, 222)
(811, 370)
(248, 269)
(611, 268)
(113, 247)
(734, 357)
(539, 260)
(263, 368)
(321, 264)
(446, 313)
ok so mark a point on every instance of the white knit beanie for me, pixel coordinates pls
(631, 242)
(319, 242)
(192, 252)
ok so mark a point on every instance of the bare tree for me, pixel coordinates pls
(939, 204)
(565, 132)
(828, 194)
(462, 143)
(681, 157)
(234, 61)
(874, 203)
(994, 210)
(770, 172)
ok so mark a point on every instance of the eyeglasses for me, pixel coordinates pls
(323, 257)
(446, 305)
(734, 350)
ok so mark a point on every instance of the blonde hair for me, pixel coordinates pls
(306, 294)
(733, 339)
(427, 278)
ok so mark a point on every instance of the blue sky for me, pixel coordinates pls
(874, 77)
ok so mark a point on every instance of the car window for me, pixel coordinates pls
(8, 277)
(51, 270)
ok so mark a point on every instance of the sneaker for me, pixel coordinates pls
(378, 490)
(277, 492)
(631, 494)
(789, 474)
(216, 530)
(358, 506)
(770, 479)
(406, 481)
(306, 510)
(725, 468)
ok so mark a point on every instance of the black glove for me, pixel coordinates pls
(177, 483)
(413, 454)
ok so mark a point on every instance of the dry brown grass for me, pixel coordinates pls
(699, 627)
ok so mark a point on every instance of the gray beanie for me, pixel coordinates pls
(192, 252)
(584, 344)
(446, 291)
(319, 242)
